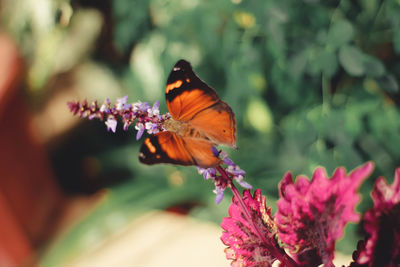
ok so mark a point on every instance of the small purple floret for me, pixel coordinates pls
(156, 105)
(242, 183)
(111, 124)
(140, 128)
(219, 191)
(208, 173)
(235, 170)
(142, 107)
(215, 151)
(121, 103)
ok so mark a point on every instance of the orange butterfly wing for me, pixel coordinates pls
(191, 100)
(168, 147)
(218, 123)
(201, 151)
(164, 147)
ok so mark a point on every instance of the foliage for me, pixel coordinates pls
(312, 83)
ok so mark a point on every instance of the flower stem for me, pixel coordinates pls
(275, 250)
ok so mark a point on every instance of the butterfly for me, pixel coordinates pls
(199, 121)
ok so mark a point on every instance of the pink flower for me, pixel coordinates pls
(249, 231)
(312, 214)
(382, 223)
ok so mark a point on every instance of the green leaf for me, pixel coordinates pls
(389, 83)
(298, 63)
(131, 23)
(328, 63)
(259, 115)
(352, 60)
(340, 33)
(396, 40)
(373, 66)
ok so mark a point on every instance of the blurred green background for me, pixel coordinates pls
(312, 83)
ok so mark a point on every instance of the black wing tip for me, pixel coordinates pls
(180, 71)
(142, 158)
(182, 64)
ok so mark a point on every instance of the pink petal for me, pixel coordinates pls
(312, 214)
(382, 223)
(249, 231)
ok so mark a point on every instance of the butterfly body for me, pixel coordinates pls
(200, 120)
(183, 129)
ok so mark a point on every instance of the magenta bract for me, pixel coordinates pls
(312, 214)
(382, 223)
(249, 231)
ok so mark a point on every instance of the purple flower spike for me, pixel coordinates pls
(141, 114)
